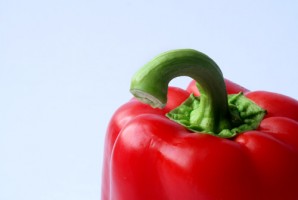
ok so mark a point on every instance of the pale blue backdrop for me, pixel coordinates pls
(65, 67)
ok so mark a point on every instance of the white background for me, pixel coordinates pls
(65, 67)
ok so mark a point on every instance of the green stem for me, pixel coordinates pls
(150, 85)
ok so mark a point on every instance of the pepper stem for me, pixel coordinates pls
(150, 85)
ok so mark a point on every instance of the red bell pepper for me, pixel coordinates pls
(223, 142)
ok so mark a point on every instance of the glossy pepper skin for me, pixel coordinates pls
(148, 156)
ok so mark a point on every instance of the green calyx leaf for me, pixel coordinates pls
(244, 115)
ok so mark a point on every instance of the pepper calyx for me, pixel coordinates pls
(244, 115)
